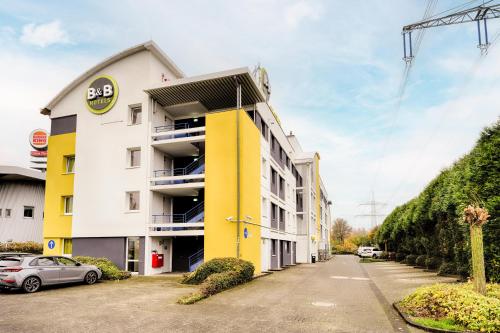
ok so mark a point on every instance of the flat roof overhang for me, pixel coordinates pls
(180, 190)
(215, 91)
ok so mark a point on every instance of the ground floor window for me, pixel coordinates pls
(133, 254)
(67, 246)
(273, 247)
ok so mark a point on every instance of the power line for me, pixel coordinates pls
(373, 210)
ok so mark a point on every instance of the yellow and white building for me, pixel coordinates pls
(145, 162)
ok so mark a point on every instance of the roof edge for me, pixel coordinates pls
(149, 46)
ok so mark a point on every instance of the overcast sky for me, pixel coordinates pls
(335, 68)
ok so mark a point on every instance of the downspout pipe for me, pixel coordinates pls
(238, 206)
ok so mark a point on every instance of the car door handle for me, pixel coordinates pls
(41, 269)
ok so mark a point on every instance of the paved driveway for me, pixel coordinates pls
(336, 296)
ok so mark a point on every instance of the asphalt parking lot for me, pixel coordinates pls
(340, 295)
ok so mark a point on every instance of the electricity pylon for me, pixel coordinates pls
(373, 210)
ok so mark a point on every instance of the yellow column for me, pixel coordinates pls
(220, 187)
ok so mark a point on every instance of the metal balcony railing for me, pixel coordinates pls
(172, 127)
(196, 259)
(194, 215)
(175, 131)
(194, 168)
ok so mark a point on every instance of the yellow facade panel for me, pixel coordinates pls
(221, 195)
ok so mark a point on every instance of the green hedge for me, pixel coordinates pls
(447, 268)
(411, 259)
(400, 256)
(28, 247)
(219, 265)
(457, 303)
(433, 262)
(432, 222)
(420, 261)
(109, 270)
(217, 275)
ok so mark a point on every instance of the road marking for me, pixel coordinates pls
(323, 304)
(349, 277)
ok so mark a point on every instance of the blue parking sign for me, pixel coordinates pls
(51, 244)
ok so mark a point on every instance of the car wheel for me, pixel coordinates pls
(31, 284)
(91, 277)
(374, 256)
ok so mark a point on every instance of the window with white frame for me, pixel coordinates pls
(134, 157)
(29, 212)
(8, 212)
(264, 167)
(264, 207)
(0, 212)
(133, 203)
(68, 205)
(70, 164)
(135, 117)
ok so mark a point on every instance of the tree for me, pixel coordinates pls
(340, 230)
(476, 216)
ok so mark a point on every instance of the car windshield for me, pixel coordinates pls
(9, 262)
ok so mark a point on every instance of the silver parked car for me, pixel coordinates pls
(32, 272)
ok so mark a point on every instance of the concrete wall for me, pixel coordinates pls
(112, 248)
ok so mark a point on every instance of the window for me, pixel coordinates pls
(29, 212)
(133, 200)
(133, 246)
(67, 246)
(68, 205)
(8, 212)
(70, 164)
(47, 261)
(264, 167)
(273, 247)
(135, 115)
(134, 157)
(66, 262)
(0, 212)
(264, 207)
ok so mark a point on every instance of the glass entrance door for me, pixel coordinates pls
(133, 254)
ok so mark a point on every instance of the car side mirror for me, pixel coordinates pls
(78, 264)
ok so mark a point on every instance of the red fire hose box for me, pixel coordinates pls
(157, 260)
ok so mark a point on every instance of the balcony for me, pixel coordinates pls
(180, 181)
(178, 139)
(190, 223)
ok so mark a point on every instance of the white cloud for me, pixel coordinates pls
(44, 34)
(301, 11)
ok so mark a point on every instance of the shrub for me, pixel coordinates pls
(456, 302)
(384, 255)
(447, 268)
(411, 259)
(420, 261)
(400, 256)
(433, 262)
(346, 248)
(219, 265)
(217, 275)
(109, 270)
(29, 247)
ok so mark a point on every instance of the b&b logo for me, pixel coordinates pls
(101, 94)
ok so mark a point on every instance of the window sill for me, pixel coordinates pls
(64, 214)
(132, 211)
(28, 218)
(130, 124)
(67, 173)
(133, 167)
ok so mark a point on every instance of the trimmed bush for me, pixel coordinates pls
(420, 261)
(447, 268)
(217, 275)
(457, 303)
(109, 270)
(219, 265)
(384, 255)
(433, 262)
(28, 247)
(411, 259)
(400, 256)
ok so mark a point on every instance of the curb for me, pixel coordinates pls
(409, 321)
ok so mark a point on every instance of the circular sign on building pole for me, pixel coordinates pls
(101, 94)
(39, 139)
